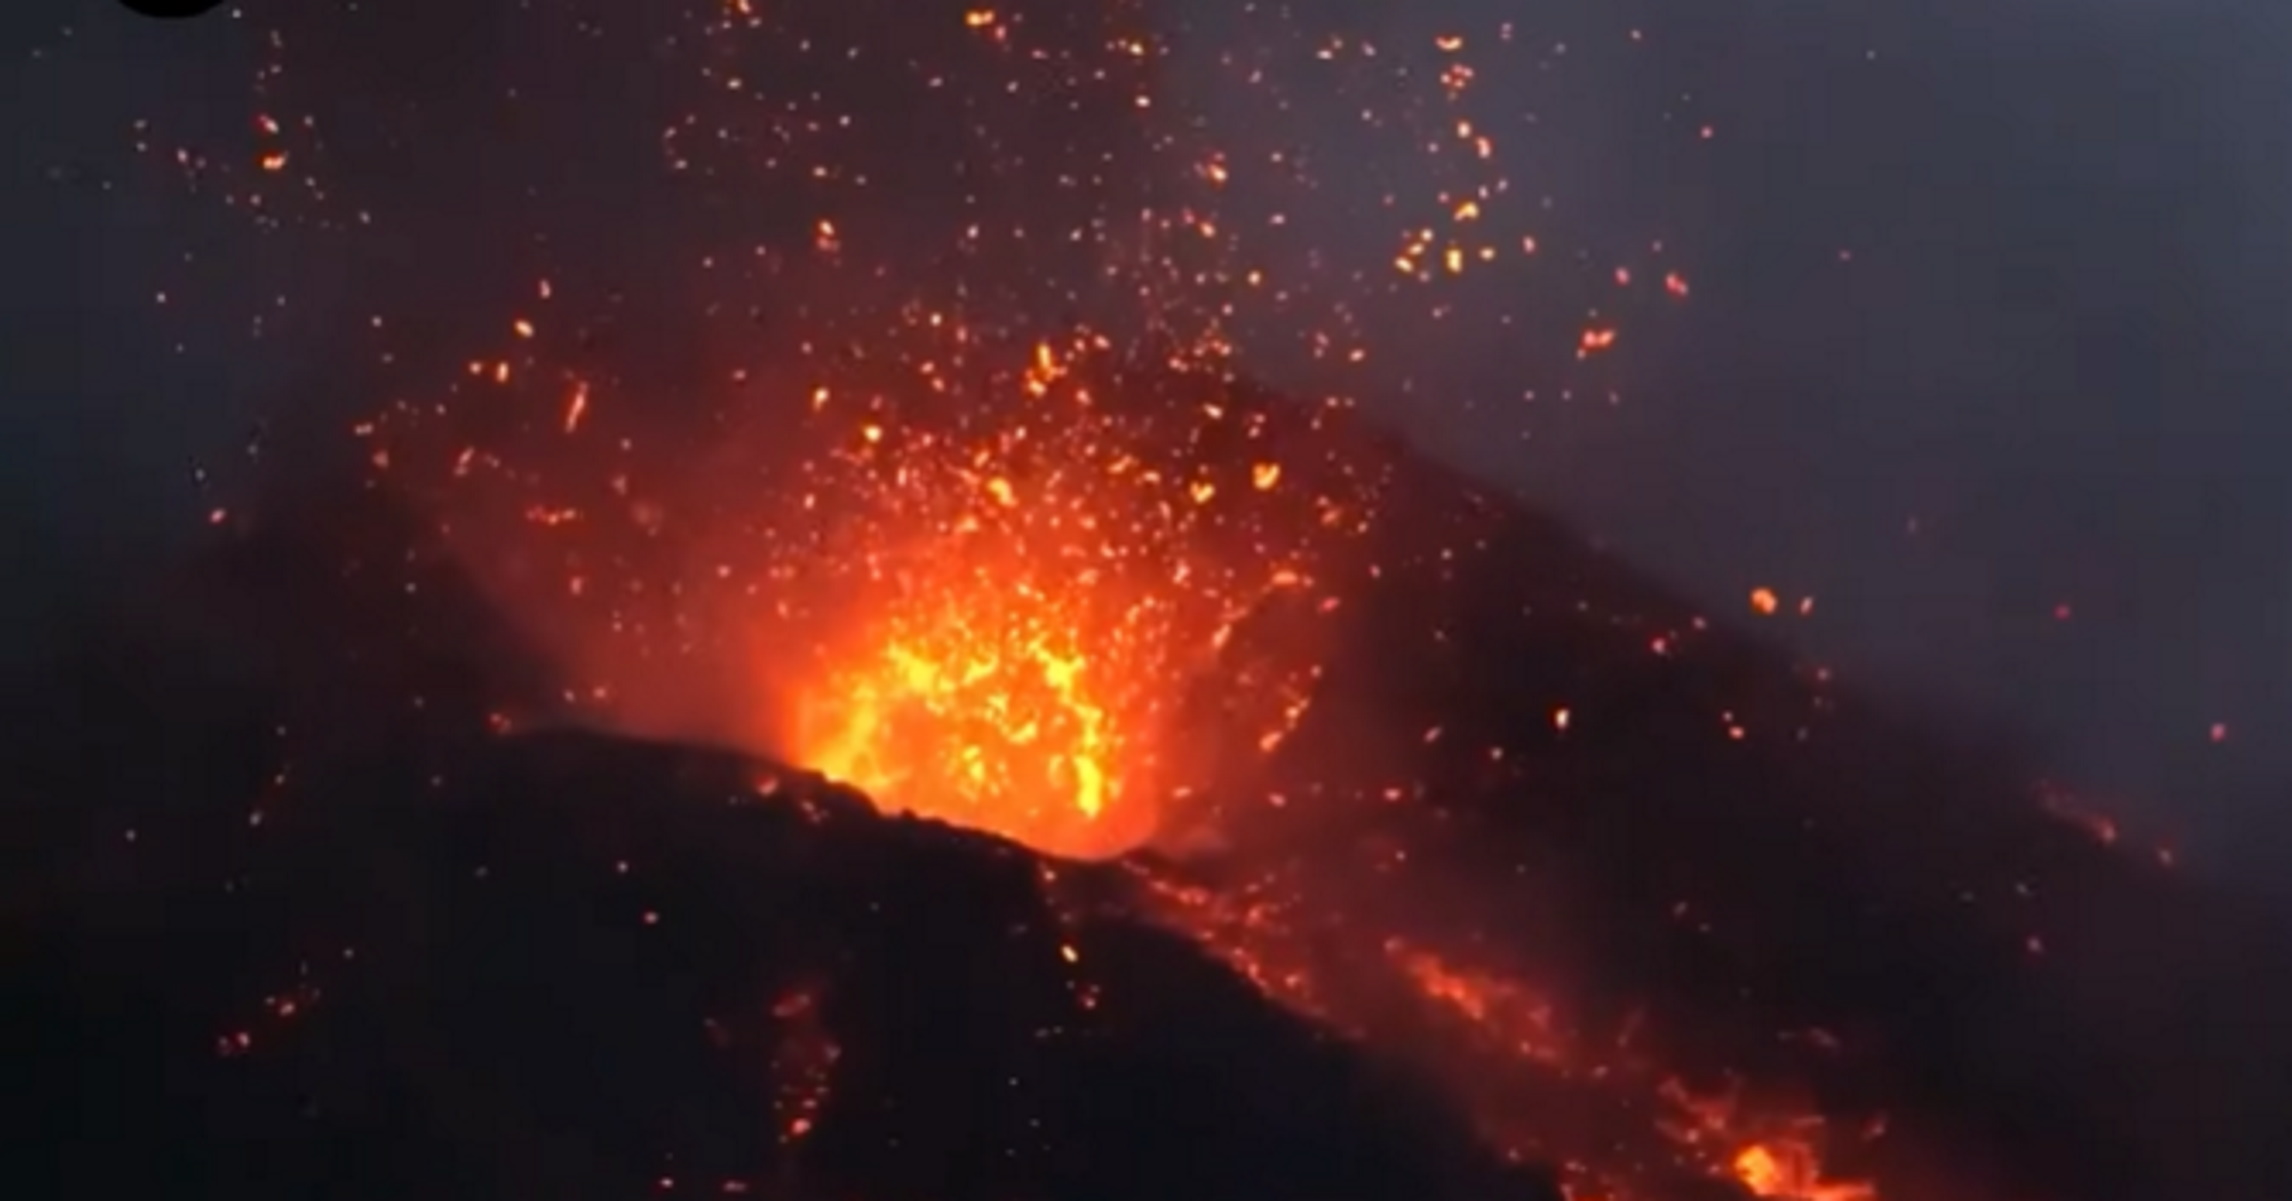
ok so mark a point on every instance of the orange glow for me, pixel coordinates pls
(972, 698)
(1774, 1158)
(1787, 1168)
(1038, 587)
(1268, 930)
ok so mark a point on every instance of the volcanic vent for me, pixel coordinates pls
(1552, 886)
(303, 914)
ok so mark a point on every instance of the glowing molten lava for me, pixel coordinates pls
(982, 702)
(1790, 1169)
(1034, 586)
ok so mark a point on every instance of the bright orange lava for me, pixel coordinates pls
(986, 695)
(1790, 1169)
(1032, 591)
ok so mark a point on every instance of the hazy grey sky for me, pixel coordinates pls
(2059, 348)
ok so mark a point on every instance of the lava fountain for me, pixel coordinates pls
(1035, 590)
(972, 698)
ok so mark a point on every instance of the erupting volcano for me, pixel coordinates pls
(888, 708)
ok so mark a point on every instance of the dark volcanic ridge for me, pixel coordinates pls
(292, 915)
(295, 918)
(566, 965)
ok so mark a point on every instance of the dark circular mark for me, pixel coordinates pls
(172, 10)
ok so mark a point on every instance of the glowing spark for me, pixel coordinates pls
(576, 405)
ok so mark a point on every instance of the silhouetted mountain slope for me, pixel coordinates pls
(303, 903)
(1772, 877)
(485, 1007)
(294, 935)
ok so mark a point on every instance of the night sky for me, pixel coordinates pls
(1983, 330)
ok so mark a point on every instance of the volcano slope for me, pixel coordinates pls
(1612, 838)
(294, 918)
(301, 904)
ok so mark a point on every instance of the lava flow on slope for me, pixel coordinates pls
(1301, 820)
(1550, 888)
(296, 917)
